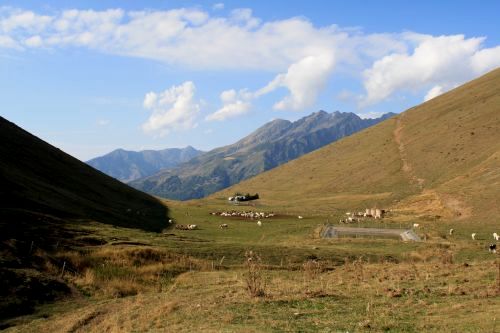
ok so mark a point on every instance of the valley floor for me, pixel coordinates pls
(203, 281)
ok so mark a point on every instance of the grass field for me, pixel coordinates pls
(436, 165)
(195, 280)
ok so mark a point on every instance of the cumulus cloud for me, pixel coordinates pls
(304, 80)
(172, 109)
(300, 55)
(234, 104)
(187, 37)
(434, 92)
(440, 62)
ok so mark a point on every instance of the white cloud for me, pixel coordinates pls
(441, 62)
(434, 92)
(34, 41)
(234, 104)
(305, 55)
(22, 20)
(173, 109)
(304, 79)
(218, 6)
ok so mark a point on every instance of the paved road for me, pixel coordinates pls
(404, 234)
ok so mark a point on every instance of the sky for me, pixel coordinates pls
(93, 76)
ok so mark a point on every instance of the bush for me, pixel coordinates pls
(254, 274)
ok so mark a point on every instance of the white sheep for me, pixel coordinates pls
(259, 223)
(224, 225)
(300, 217)
(170, 221)
(451, 232)
(473, 235)
(496, 236)
(416, 225)
(192, 226)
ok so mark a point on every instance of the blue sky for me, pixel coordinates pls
(93, 76)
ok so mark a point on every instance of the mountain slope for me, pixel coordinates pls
(48, 200)
(39, 178)
(130, 165)
(441, 157)
(269, 146)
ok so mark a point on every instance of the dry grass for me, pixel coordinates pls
(119, 272)
(254, 278)
(409, 297)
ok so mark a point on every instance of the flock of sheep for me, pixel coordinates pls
(359, 216)
(491, 248)
(245, 214)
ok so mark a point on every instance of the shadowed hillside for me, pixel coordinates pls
(46, 198)
(37, 177)
(441, 159)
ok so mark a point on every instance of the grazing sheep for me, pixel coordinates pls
(170, 221)
(496, 236)
(492, 248)
(473, 235)
(451, 232)
(259, 223)
(224, 225)
(192, 226)
(416, 225)
(300, 217)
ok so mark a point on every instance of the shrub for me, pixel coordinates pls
(254, 274)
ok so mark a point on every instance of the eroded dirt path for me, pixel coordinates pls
(407, 167)
(456, 207)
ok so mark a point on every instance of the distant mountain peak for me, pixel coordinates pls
(272, 144)
(127, 165)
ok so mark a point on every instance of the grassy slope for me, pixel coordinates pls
(451, 145)
(39, 178)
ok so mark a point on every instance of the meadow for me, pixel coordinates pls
(201, 280)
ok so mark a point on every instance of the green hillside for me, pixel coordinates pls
(441, 159)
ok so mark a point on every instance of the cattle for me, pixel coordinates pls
(492, 248)
(223, 226)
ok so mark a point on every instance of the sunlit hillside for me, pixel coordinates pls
(439, 158)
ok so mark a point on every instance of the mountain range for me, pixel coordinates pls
(127, 165)
(273, 144)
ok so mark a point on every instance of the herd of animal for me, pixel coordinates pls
(245, 214)
(491, 248)
(353, 217)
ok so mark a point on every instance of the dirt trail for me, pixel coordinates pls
(407, 167)
(457, 207)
